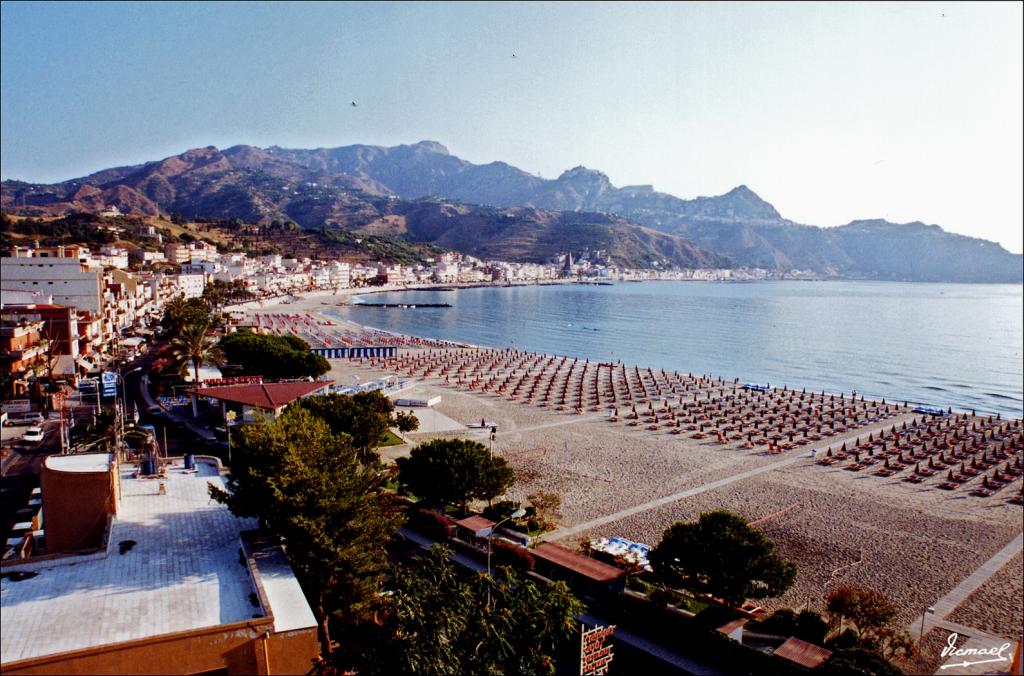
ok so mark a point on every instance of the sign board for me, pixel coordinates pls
(18, 406)
(594, 656)
(108, 380)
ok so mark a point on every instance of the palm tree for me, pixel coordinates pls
(194, 347)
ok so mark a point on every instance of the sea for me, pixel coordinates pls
(946, 345)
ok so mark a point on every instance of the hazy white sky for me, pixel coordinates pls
(832, 112)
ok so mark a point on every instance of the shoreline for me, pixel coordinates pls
(912, 543)
(318, 303)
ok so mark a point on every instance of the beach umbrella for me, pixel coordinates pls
(949, 476)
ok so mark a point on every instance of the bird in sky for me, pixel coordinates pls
(513, 56)
(354, 104)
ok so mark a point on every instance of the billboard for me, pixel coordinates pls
(108, 381)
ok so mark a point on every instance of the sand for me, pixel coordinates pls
(911, 542)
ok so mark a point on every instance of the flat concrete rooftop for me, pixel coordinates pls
(182, 573)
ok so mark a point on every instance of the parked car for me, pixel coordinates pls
(29, 418)
(155, 411)
(33, 435)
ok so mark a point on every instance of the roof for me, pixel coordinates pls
(182, 574)
(86, 462)
(803, 653)
(475, 523)
(265, 395)
(730, 627)
(577, 563)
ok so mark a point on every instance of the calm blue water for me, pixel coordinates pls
(954, 345)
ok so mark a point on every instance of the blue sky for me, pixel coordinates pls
(832, 112)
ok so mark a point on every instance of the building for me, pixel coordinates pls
(267, 399)
(177, 253)
(189, 286)
(167, 582)
(23, 353)
(59, 325)
(113, 257)
(64, 278)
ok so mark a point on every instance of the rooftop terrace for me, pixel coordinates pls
(182, 573)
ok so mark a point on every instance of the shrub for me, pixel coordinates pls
(811, 627)
(430, 523)
(512, 555)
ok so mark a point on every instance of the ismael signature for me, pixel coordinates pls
(993, 654)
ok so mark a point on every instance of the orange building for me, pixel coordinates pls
(175, 584)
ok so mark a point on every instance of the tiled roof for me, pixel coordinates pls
(475, 523)
(803, 653)
(577, 563)
(266, 395)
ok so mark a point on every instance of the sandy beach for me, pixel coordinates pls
(910, 541)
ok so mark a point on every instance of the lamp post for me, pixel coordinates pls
(229, 418)
(514, 515)
(924, 613)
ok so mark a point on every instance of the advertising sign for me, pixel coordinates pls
(108, 381)
(594, 656)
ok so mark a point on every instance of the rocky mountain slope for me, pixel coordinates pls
(739, 224)
(257, 186)
(384, 189)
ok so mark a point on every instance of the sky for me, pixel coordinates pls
(832, 112)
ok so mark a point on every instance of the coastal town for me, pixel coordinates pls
(87, 334)
(511, 339)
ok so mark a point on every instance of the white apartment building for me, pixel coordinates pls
(65, 279)
(177, 253)
(113, 257)
(189, 286)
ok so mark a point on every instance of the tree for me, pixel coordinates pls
(364, 416)
(722, 555)
(306, 483)
(873, 615)
(274, 357)
(438, 621)
(406, 421)
(546, 503)
(453, 472)
(179, 313)
(214, 297)
(193, 347)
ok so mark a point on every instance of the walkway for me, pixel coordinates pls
(563, 533)
(948, 603)
(797, 456)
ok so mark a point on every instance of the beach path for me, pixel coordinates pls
(562, 533)
(948, 603)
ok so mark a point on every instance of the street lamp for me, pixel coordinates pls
(924, 613)
(490, 534)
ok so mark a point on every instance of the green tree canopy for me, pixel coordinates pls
(437, 620)
(273, 357)
(179, 313)
(192, 347)
(306, 483)
(453, 472)
(365, 417)
(722, 555)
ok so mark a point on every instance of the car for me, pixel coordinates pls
(29, 418)
(33, 435)
(155, 410)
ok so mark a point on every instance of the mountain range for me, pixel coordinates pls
(422, 193)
